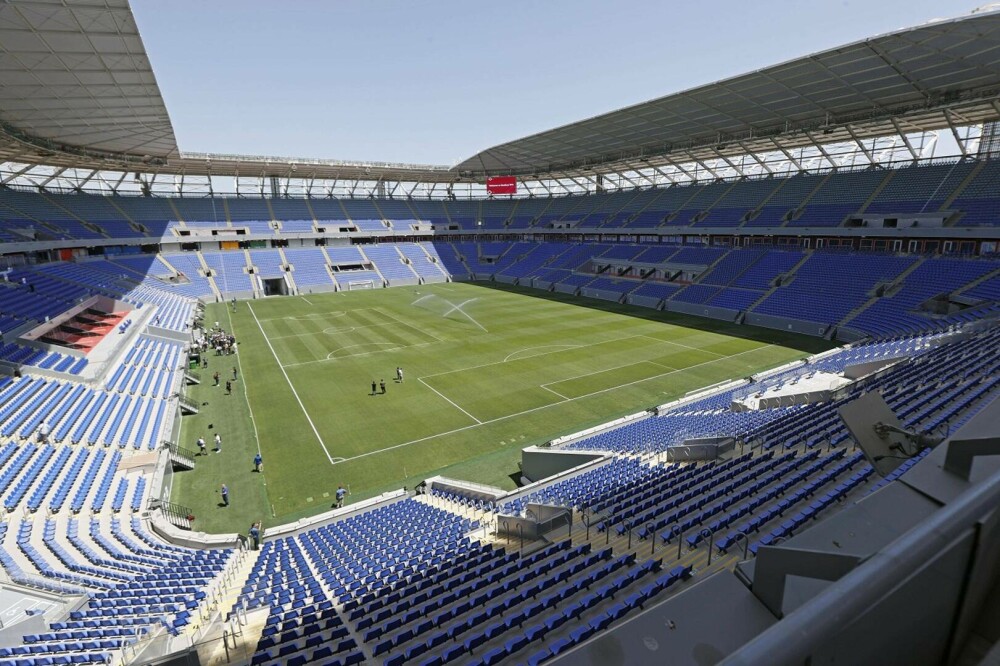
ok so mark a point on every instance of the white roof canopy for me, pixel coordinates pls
(77, 91)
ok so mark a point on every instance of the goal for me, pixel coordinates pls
(360, 284)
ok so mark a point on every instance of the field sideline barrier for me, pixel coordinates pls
(599, 461)
(289, 529)
(610, 425)
(483, 491)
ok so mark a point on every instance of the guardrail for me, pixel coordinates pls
(180, 450)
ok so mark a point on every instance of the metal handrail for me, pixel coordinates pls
(180, 450)
(796, 637)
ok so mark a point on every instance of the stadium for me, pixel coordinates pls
(712, 378)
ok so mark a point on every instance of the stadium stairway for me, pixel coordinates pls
(222, 599)
(254, 281)
(898, 281)
(177, 213)
(293, 288)
(163, 260)
(207, 271)
(312, 213)
(978, 281)
(783, 278)
(373, 264)
(957, 192)
(878, 190)
(86, 224)
(801, 205)
(763, 203)
(329, 269)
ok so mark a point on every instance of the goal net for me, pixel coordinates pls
(354, 285)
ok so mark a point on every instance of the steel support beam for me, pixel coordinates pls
(860, 144)
(954, 132)
(18, 173)
(822, 150)
(906, 139)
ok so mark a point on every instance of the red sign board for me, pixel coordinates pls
(501, 185)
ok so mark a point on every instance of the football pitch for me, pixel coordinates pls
(487, 371)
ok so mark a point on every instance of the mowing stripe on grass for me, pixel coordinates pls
(292, 387)
(609, 371)
(679, 344)
(564, 348)
(400, 321)
(535, 409)
(397, 331)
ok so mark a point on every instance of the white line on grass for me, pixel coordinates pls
(365, 344)
(292, 387)
(535, 409)
(486, 365)
(598, 372)
(333, 330)
(246, 397)
(449, 400)
(307, 300)
(544, 386)
(329, 314)
(680, 344)
(328, 359)
(508, 356)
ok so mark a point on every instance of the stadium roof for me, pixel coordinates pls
(854, 91)
(77, 91)
(77, 74)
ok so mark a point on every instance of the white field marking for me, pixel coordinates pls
(246, 397)
(377, 351)
(400, 321)
(486, 365)
(333, 330)
(312, 315)
(331, 355)
(543, 386)
(312, 425)
(328, 331)
(680, 344)
(535, 409)
(508, 357)
(452, 403)
(598, 372)
(307, 300)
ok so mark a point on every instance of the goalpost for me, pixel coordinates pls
(354, 285)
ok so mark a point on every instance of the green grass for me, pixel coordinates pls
(511, 369)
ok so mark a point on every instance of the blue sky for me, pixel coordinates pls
(435, 82)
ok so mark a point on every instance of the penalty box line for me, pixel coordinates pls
(539, 408)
